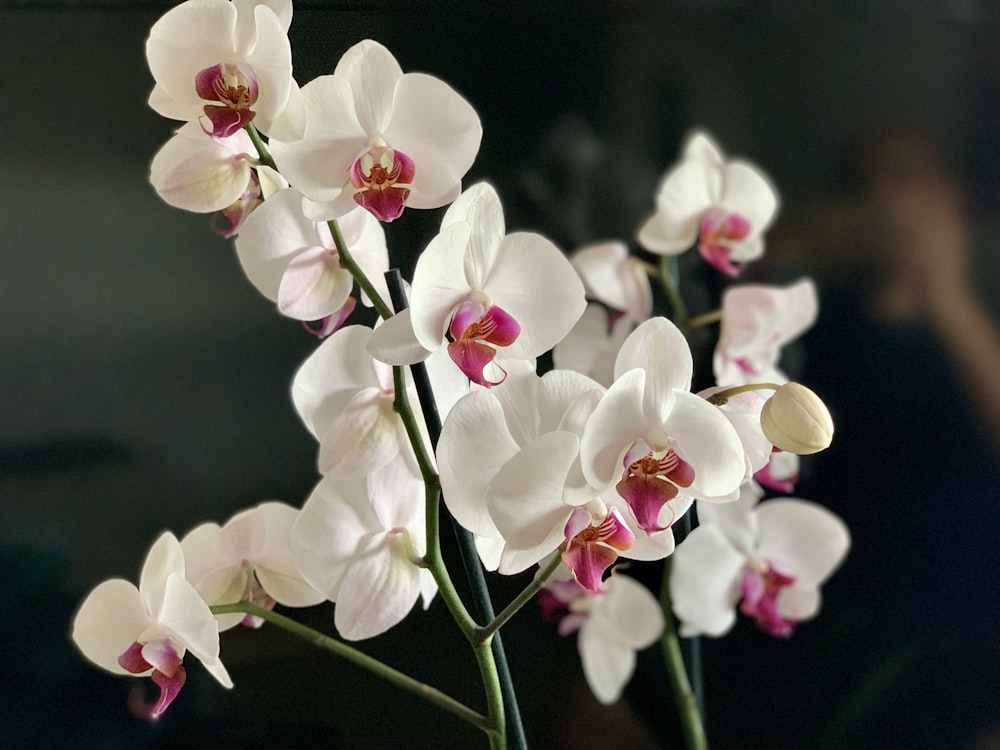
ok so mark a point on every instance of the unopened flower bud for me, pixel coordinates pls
(796, 420)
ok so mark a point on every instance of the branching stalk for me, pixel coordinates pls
(399, 679)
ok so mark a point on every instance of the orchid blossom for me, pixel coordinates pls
(147, 630)
(378, 138)
(757, 321)
(293, 260)
(725, 206)
(660, 444)
(770, 558)
(226, 64)
(484, 294)
(363, 552)
(612, 625)
(247, 559)
(345, 398)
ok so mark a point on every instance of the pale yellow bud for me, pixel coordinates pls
(796, 420)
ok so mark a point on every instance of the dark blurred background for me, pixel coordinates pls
(144, 383)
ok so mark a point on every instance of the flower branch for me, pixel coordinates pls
(529, 592)
(428, 693)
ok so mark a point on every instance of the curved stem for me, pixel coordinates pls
(430, 694)
(263, 155)
(705, 319)
(685, 698)
(723, 396)
(520, 600)
(668, 278)
(482, 605)
(432, 503)
(347, 261)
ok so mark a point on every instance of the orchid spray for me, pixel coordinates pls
(438, 411)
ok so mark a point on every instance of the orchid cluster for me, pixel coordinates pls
(569, 473)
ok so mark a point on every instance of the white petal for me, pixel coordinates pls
(379, 589)
(196, 172)
(704, 582)
(363, 437)
(440, 131)
(532, 280)
(164, 559)
(331, 375)
(334, 521)
(108, 622)
(313, 285)
(798, 603)
(525, 498)
(628, 613)
(372, 73)
(747, 192)
(802, 538)
(188, 620)
(273, 564)
(616, 422)
(706, 440)
(439, 284)
(474, 444)
(271, 236)
(187, 39)
(394, 342)
(684, 195)
(658, 347)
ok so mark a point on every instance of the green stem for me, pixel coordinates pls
(432, 503)
(397, 678)
(520, 600)
(668, 278)
(263, 155)
(723, 396)
(684, 697)
(347, 261)
(705, 319)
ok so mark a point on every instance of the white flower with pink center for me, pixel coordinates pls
(345, 398)
(757, 321)
(247, 559)
(147, 630)
(223, 63)
(658, 443)
(485, 295)
(769, 558)
(510, 471)
(293, 260)
(361, 548)
(378, 138)
(613, 623)
(723, 205)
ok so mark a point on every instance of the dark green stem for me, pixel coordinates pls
(521, 599)
(397, 678)
(263, 155)
(685, 697)
(347, 261)
(723, 396)
(482, 605)
(669, 281)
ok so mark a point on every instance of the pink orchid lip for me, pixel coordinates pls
(168, 674)
(760, 601)
(329, 325)
(233, 90)
(472, 325)
(590, 550)
(650, 483)
(719, 228)
(381, 174)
